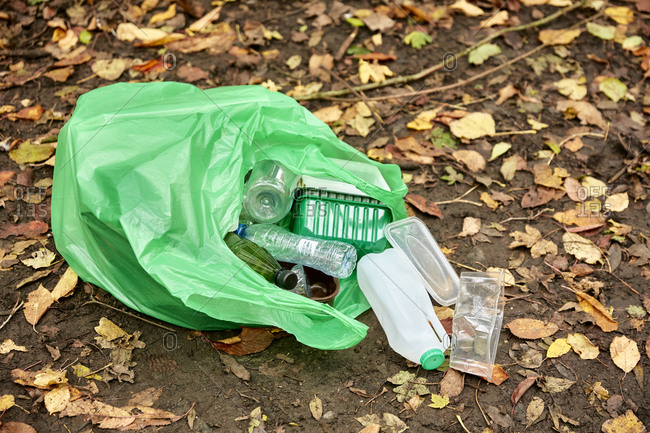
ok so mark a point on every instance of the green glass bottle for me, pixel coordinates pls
(261, 261)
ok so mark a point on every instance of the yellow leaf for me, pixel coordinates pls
(594, 187)
(572, 88)
(438, 402)
(627, 423)
(7, 401)
(581, 248)
(109, 69)
(38, 302)
(329, 114)
(620, 14)
(558, 37)
(81, 370)
(474, 125)
(617, 202)
(419, 124)
(316, 408)
(592, 306)
(625, 353)
(467, 8)
(8, 345)
(40, 259)
(373, 71)
(109, 330)
(531, 329)
(129, 32)
(558, 348)
(582, 346)
(489, 201)
(498, 19)
(164, 16)
(50, 377)
(27, 152)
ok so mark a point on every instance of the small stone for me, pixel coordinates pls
(328, 416)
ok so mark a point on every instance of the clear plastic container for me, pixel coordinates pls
(412, 237)
(367, 172)
(402, 305)
(268, 194)
(478, 316)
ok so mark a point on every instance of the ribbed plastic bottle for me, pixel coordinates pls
(334, 258)
(261, 261)
(403, 307)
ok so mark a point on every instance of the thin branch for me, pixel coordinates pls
(17, 306)
(479, 404)
(459, 199)
(414, 77)
(95, 301)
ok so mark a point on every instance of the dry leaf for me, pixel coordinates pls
(531, 329)
(250, 340)
(235, 367)
(533, 239)
(471, 158)
(499, 375)
(61, 74)
(423, 205)
(471, 226)
(521, 389)
(192, 73)
(617, 202)
(373, 71)
(109, 330)
(38, 302)
(586, 112)
(558, 348)
(581, 248)
(8, 345)
(57, 399)
(316, 408)
(40, 259)
(28, 152)
(534, 410)
(319, 62)
(558, 37)
(627, 423)
(603, 317)
(7, 401)
(467, 8)
(199, 24)
(620, 14)
(452, 383)
(66, 285)
(474, 125)
(109, 69)
(329, 114)
(625, 353)
(555, 384)
(500, 18)
(582, 346)
(164, 16)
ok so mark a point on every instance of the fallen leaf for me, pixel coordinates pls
(7, 401)
(378, 22)
(109, 330)
(251, 340)
(471, 158)
(581, 248)
(55, 353)
(373, 71)
(627, 423)
(109, 69)
(613, 88)
(471, 226)
(423, 205)
(620, 14)
(474, 125)
(617, 202)
(603, 317)
(489, 201)
(586, 112)
(192, 73)
(38, 302)
(199, 24)
(371, 428)
(574, 89)
(8, 345)
(603, 32)
(502, 419)
(498, 19)
(544, 176)
(28, 152)
(521, 389)
(452, 383)
(65, 285)
(531, 329)
(61, 74)
(483, 52)
(329, 114)
(316, 408)
(393, 423)
(533, 239)
(499, 149)
(40, 259)
(467, 8)
(146, 397)
(555, 384)
(57, 399)
(558, 348)
(439, 402)
(234, 367)
(558, 37)
(582, 346)
(625, 353)
(534, 410)
(34, 277)
(164, 16)
(320, 64)
(499, 375)
(85, 372)
(417, 39)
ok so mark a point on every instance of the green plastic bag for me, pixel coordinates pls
(148, 180)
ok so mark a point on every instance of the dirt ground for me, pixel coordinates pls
(286, 376)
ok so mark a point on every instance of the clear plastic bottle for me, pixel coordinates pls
(403, 307)
(334, 258)
(268, 194)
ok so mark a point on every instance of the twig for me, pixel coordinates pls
(626, 284)
(346, 44)
(622, 170)
(358, 94)
(580, 134)
(95, 301)
(463, 266)
(461, 424)
(479, 404)
(521, 132)
(19, 304)
(97, 371)
(459, 199)
(528, 218)
(414, 77)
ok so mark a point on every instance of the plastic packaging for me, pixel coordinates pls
(403, 307)
(412, 237)
(302, 286)
(268, 194)
(334, 258)
(147, 222)
(478, 316)
(366, 172)
(261, 261)
(358, 220)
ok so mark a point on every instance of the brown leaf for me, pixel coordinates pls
(545, 176)
(499, 375)
(17, 427)
(452, 383)
(558, 37)
(647, 347)
(534, 410)
(146, 397)
(592, 306)
(471, 158)
(531, 329)
(251, 340)
(316, 408)
(38, 302)
(423, 205)
(380, 57)
(506, 93)
(192, 73)
(6, 176)
(625, 353)
(207, 18)
(586, 112)
(235, 367)
(521, 389)
(471, 226)
(31, 113)
(317, 63)
(66, 285)
(537, 196)
(61, 74)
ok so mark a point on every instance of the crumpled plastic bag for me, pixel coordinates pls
(148, 180)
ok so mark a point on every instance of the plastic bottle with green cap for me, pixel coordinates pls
(403, 307)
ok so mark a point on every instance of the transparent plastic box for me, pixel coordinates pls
(478, 316)
(413, 239)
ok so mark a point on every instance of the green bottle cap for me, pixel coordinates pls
(432, 359)
(286, 279)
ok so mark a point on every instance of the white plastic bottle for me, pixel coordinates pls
(402, 305)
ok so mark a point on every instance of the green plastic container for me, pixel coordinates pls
(357, 220)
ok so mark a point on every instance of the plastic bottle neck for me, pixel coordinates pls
(241, 230)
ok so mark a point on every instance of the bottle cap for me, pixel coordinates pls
(432, 359)
(239, 231)
(286, 279)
